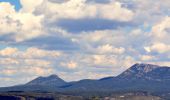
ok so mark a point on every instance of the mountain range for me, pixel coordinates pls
(139, 77)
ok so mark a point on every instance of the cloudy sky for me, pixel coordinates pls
(79, 39)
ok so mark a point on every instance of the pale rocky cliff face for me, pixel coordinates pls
(146, 71)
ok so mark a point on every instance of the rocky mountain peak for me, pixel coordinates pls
(49, 80)
(53, 76)
(138, 70)
(143, 67)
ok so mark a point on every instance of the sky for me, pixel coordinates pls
(80, 39)
(16, 3)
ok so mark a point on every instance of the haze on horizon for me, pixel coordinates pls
(80, 39)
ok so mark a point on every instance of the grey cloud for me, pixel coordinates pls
(80, 25)
(52, 43)
(98, 1)
(7, 38)
(58, 1)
